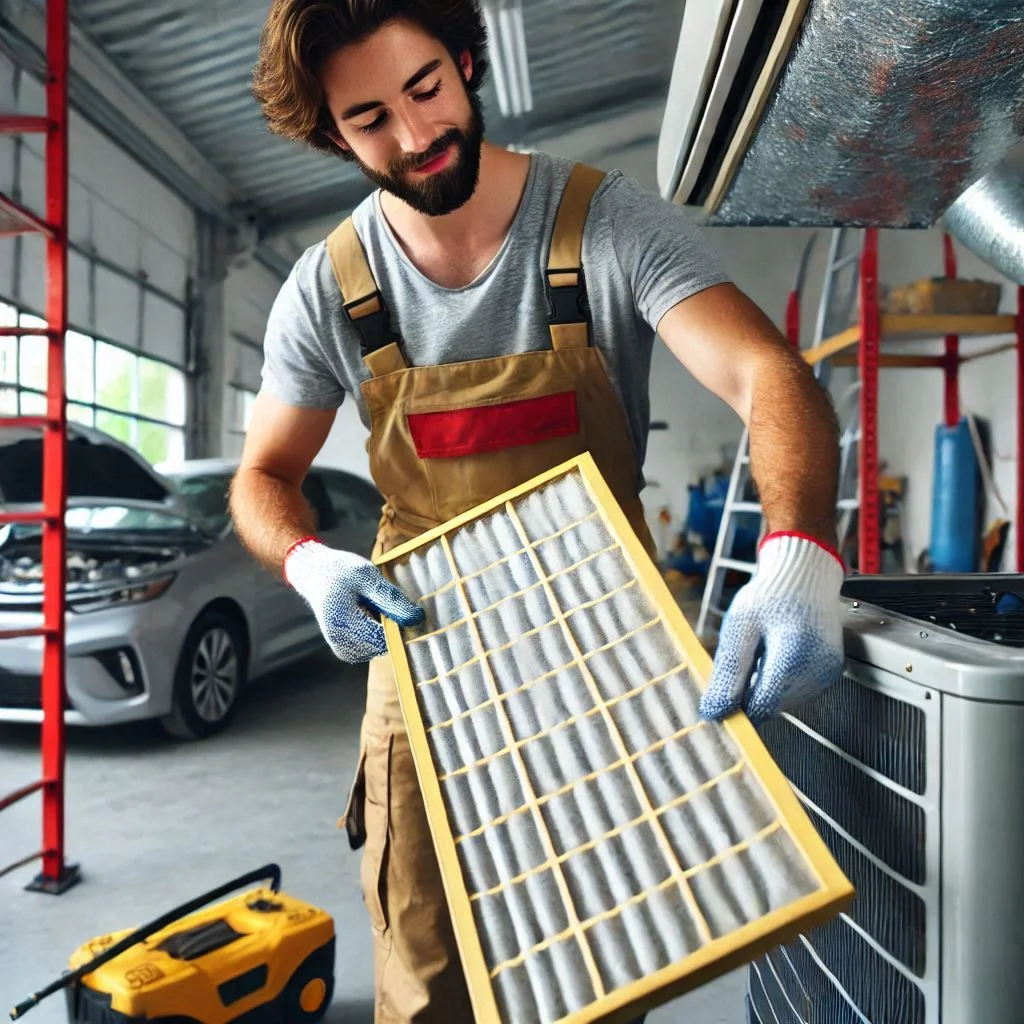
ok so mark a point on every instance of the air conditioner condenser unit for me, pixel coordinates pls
(911, 771)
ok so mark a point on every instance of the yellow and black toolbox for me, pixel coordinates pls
(262, 957)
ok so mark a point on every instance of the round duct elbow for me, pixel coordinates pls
(989, 217)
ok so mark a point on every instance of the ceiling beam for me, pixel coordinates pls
(105, 96)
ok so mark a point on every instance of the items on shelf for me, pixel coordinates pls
(938, 296)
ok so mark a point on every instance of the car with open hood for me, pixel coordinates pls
(168, 616)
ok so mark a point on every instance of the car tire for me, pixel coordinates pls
(208, 679)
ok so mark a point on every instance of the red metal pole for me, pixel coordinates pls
(54, 874)
(951, 370)
(869, 555)
(1019, 525)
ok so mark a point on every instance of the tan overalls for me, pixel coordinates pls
(442, 440)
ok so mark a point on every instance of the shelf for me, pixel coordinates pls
(899, 326)
(906, 362)
(904, 327)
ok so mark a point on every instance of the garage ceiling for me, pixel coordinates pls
(193, 59)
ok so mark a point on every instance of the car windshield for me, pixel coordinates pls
(207, 498)
(113, 518)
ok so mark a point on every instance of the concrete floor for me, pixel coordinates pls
(153, 823)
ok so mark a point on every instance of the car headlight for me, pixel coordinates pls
(128, 593)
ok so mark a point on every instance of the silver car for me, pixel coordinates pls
(168, 615)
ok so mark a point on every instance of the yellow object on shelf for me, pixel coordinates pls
(937, 296)
(603, 849)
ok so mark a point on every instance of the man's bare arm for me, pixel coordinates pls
(267, 505)
(735, 351)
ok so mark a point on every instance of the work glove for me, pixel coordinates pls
(344, 590)
(788, 617)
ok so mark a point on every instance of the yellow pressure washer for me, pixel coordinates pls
(262, 957)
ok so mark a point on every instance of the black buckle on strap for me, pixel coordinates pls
(375, 328)
(568, 302)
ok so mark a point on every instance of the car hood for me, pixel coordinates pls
(98, 467)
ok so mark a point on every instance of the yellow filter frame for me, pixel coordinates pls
(715, 957)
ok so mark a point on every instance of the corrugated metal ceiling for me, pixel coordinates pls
(193, 59)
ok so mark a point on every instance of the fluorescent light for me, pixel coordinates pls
(507, 35)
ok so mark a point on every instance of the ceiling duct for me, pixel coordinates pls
(989, 217)
(842, 112)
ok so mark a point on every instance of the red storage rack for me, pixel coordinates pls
(56, 875)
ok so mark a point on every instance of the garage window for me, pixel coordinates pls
(137, 399)
(242, 402)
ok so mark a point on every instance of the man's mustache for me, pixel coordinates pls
(415, 161)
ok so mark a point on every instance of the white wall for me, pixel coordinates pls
(116, 210)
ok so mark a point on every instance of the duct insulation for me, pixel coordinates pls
(884, 114)
(989, 217)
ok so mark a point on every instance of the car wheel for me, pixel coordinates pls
(209, 677)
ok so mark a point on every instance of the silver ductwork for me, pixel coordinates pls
(845, 112)
(988, 218)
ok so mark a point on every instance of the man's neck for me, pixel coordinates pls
(463, 241)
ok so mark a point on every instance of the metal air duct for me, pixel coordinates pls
(844, 112)
(989, 217)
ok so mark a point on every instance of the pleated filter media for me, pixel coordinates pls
(603, 848)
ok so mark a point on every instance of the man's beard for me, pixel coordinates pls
(448, 189)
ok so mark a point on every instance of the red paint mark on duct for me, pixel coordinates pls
(880, 77)
(930, 116)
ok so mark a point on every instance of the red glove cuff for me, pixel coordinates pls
(291, 548)
(804, 536)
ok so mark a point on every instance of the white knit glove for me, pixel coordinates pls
(788, 616)
(343, 589)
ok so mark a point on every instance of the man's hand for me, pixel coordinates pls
(343, 589)
(788, 614)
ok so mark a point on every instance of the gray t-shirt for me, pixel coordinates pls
(641, 255)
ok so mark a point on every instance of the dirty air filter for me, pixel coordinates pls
(603, 849)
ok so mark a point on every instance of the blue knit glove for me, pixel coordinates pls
(343, 589)
(788, 617)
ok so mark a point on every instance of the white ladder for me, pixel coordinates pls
(835, 309)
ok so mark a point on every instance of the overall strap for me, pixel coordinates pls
(569, 318)
(363, 303)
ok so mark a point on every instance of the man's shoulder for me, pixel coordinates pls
(307, 269)
(616, 189)
(553, 172)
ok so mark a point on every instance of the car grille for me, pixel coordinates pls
(22, 691)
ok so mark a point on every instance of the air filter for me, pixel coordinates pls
(603, 849)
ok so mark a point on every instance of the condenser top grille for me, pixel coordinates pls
(984, 606)
(601, 845)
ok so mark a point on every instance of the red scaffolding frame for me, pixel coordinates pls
(873, 328)
(56, 875)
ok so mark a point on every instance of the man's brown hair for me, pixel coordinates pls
(299, 35)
